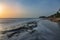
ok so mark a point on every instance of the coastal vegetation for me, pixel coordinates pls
(54, 17)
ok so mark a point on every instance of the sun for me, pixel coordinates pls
(1, 8)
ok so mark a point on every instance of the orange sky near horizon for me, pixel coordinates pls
(8, 11)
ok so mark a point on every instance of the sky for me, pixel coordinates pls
(28, 8)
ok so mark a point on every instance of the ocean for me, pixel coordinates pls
(12, 22)
(44, 29)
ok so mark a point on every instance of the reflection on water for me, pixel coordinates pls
(1, 28)
(8, 24)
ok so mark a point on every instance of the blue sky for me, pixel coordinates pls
(36, 8)
(42, 7)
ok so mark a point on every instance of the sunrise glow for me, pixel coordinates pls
(8, 11)
(1, 9)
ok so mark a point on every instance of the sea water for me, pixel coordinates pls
(46, 30)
